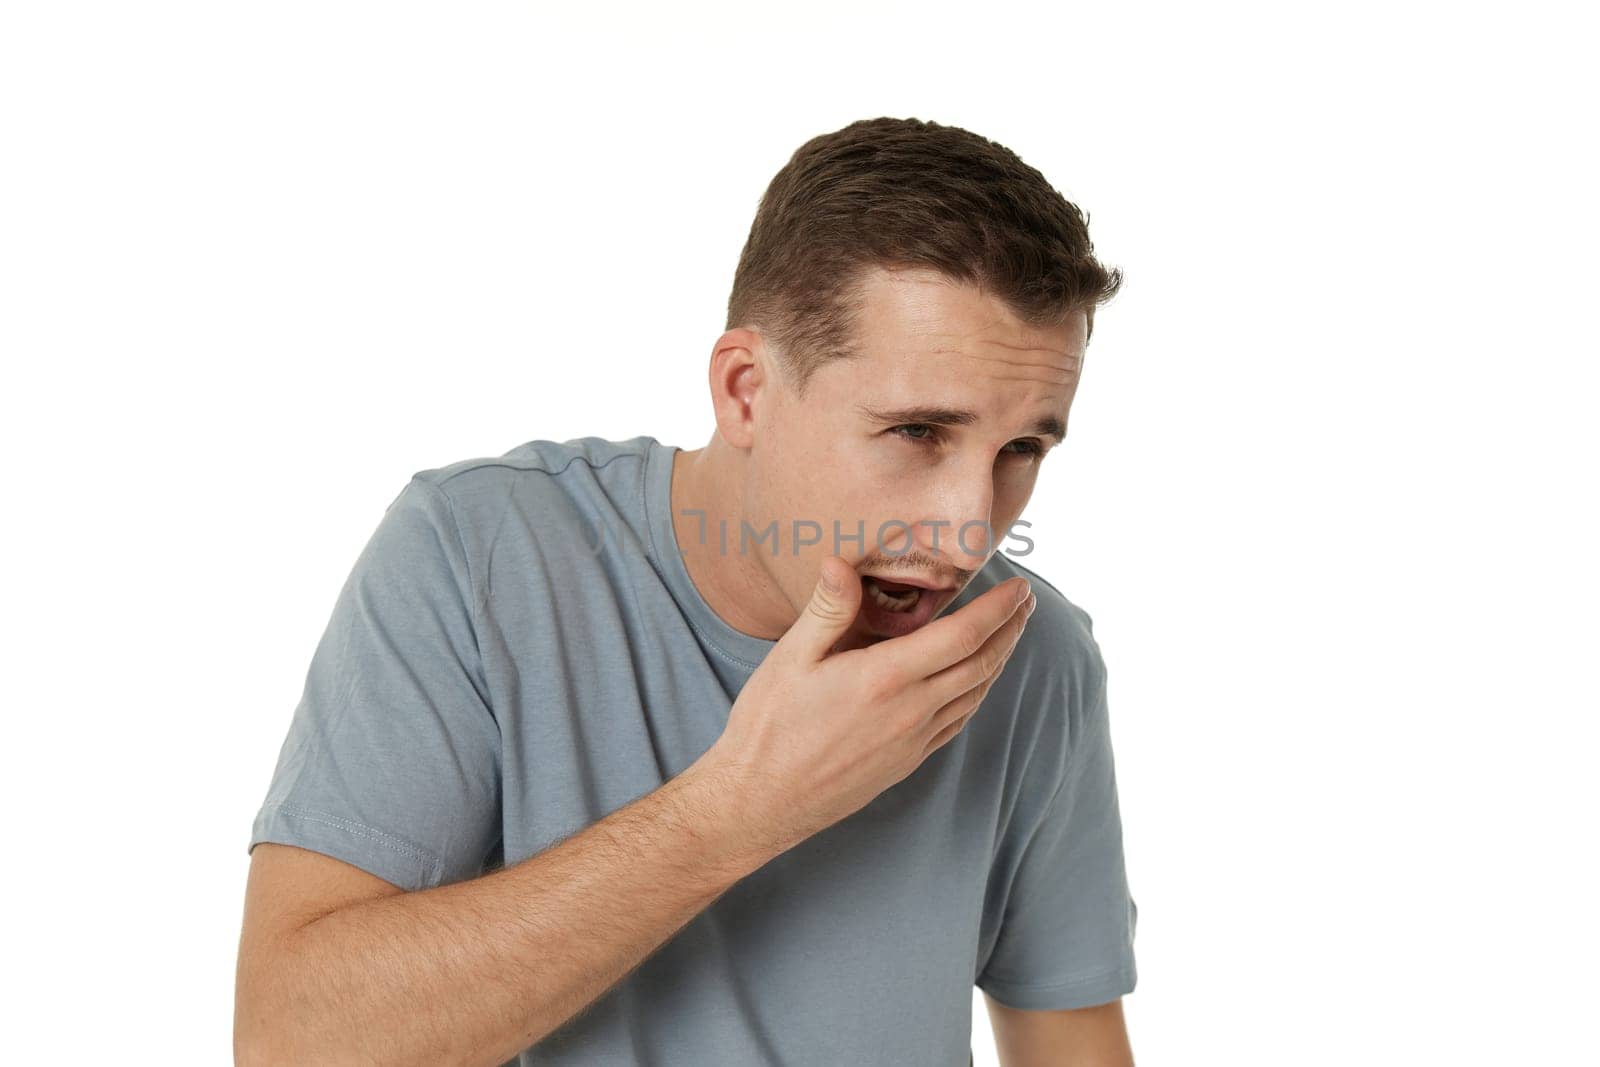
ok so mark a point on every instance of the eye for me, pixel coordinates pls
(1030, 446)
(928, 433)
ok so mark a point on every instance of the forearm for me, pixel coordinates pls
(474, 972)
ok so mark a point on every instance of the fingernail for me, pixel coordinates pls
(1024, 591)
(1033, 602)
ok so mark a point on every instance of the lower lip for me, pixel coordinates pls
(898, 623)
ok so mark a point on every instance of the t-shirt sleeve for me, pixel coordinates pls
(1067, 932)
(392, 758)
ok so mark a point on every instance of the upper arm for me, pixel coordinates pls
(1095, 1036)
(1060, 904)
(288, 887)
(392, 759)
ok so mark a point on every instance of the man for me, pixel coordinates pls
(761, 753)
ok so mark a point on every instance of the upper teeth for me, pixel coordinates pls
(893, 601)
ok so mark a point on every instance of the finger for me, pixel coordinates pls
(969, 699)
(984, 664)
(834, 602)
(952, 638)
(961, 705)
(950, 729)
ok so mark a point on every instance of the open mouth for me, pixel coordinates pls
(892, 596)
(890, 608)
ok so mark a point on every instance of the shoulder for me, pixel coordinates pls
(534, 465)
(543, 479)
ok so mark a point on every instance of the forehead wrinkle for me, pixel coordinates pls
(996, 343)
(1051, 366)
(1069, 357)
(1071, 360)
(1062, 378)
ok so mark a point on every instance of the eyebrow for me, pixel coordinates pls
(1046, 426)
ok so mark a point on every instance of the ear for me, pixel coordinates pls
(738, 379)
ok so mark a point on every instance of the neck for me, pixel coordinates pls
(707, 491)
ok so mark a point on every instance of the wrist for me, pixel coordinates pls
(731, 799)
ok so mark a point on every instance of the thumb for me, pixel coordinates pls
(832, 608)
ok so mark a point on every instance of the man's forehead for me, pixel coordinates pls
(919, 316)
(955, 364)
(1047, 357)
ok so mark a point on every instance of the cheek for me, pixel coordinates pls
(886, 459)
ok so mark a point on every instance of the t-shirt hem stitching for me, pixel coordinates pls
(1055, 987)
(350, 826)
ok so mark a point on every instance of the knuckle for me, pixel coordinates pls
(971, 640)
(828, 611)
(884, 683)
(952, 711)
(910, 723)
(976, 674)
(972, 698)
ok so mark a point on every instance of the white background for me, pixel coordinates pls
(1329, 492)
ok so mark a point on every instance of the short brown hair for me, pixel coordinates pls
(906, 193)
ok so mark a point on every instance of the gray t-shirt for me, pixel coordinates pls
(519, 651)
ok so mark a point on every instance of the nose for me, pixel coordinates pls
(956, 525)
